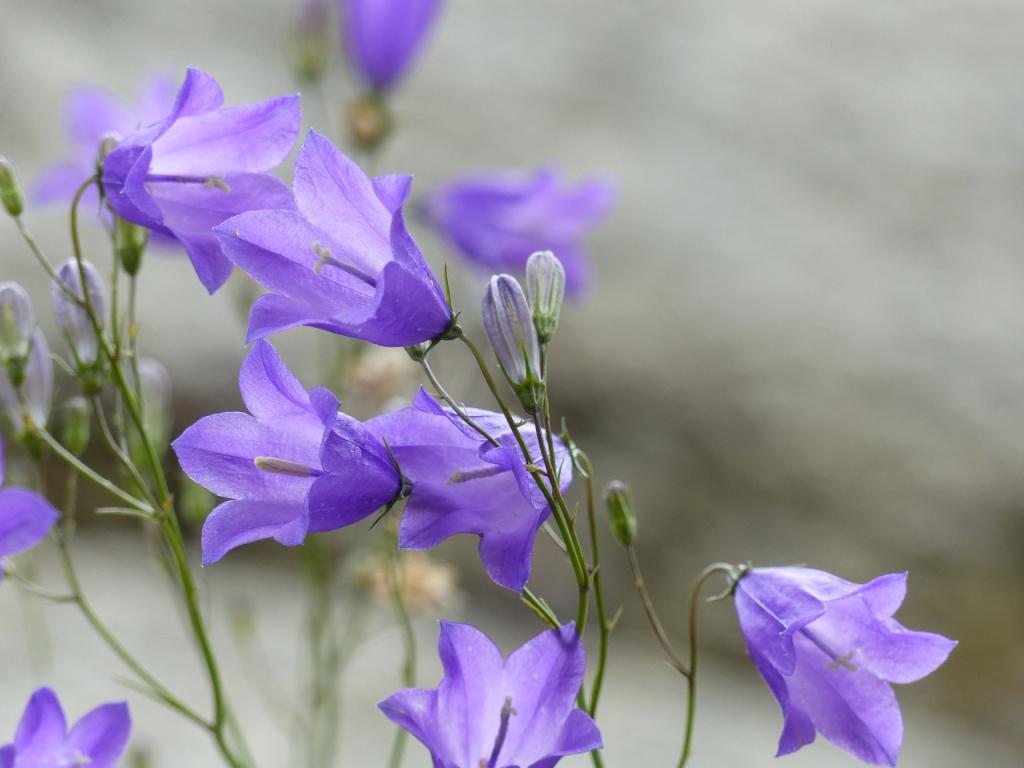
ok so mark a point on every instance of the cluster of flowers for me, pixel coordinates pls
(334, 253)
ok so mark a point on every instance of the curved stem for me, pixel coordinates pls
(674, 658)
(691, 678)
(459, 410)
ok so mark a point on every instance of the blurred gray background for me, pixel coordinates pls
(805, 343)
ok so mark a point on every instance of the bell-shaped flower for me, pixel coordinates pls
(492, 712)
(200, 165)
(343, 262)
(43, 740)
(463, 484)
(25, 517)
(66, 293)
(266, 462)
(383, 37)
(828, 650)
(28, 397)
(497, 220)
(93, 114)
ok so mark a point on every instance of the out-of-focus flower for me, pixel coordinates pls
(269, 463)
(44, 741)
(311, 39)
(383, 37)
(463, 484)
(344, 262)
(17, 322)
(32, 397)
(509, 326)
(92, 114)
(381, 373)
(427, 585)
(25, 518)
(200, 165)
(498, 219)
(828, 650)
(71, 316)
(489, 711)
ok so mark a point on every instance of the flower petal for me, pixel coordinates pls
(42, 728)
(235, 523)
(269, 388)
(101, 735)
(25, 519)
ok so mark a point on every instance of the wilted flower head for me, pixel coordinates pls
(92, 114)
(382, 37)
(33, 396)
(43, 740)
(498, 219)
(71, 316)
(268, 464)
(462, 484)
(17, 321)
(427, 585)
(200, 165)
(25, 519)
(491, 712)
(828, 650)
(344, 262)
(509, 325)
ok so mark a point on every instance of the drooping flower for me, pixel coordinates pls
(25, 518)
(92, 114)
(461, 483)
(268, 464)
(828, 650)
(491, 712)
(29, 395)
(498, 219)
(200, 165)
(344, 262)
(43, 740)
(71, 316)
(383, 37)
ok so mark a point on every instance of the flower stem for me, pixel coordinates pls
(408, 637)
(603, 627)
(673, 656)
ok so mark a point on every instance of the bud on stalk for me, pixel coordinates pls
(10, 190)
(75, 435)
(513, 338)
(545, 288)
(17, 321)
(620, 512)
(26, 403)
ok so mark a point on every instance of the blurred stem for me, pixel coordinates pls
(168, 521)
(603, 627)
(408, 635)
(691, 677)
(673, 656)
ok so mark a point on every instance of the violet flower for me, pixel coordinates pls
(461, 483)
(43, 740)
(491, 712)
(25, 518)
(498, 219)
(92, 114)
(268, 461)
(382, 37)
(200, 165)
(828, 650)
(344, 262)
(30, 399)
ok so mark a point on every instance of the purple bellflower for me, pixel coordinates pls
(92, 114)
(462, 483)
(344, 262)
(200, 165)
(383, 37)
(25, 518)
(828, 650)
(491, 712)
(267, 462)
(43, 740)
(498, 219)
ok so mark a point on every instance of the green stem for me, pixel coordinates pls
(603, 629)
(408, 638)
(459, 411)
(540, 606)
(674, 659)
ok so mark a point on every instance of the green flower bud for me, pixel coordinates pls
(77, 423)
(17, 322)
(131, 244)
(10, 190)
(620, 512)
(545, 289)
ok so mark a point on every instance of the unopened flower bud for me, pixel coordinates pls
(369, 121)
(75, 434)
(26, 404)
(312, 40)
(17, 321)
(513, 338)
(72, 317)
(620, 512)
(131, 244)
(545, 288)
(10, 190)
(154, 391)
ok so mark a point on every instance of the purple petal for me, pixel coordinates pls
(235, 523)
(101, 735)
(248, 139)
(91, 113)
(41, 730)
(199, 94)
(7, 755)
(268, 387)
(58, 183)
(580, 734)
(25, 519)
(382, 37)
(415, 710)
